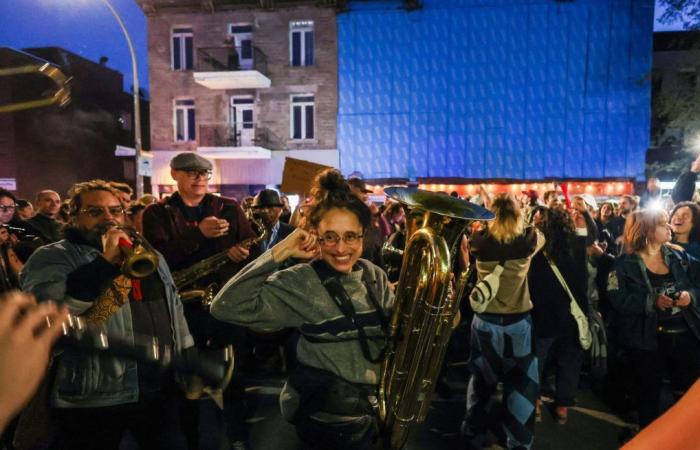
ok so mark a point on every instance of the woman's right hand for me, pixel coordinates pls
(663, 302)
(300, 244)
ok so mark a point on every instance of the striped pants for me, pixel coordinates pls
(502, 351)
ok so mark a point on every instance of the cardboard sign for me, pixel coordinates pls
(298, 175)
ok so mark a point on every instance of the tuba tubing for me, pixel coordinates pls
(423, 315)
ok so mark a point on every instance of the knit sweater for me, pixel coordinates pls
(265, 298)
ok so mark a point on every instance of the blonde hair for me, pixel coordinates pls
(509, 222)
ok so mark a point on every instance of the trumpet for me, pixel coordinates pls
(140, 259)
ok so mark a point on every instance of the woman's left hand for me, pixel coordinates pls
(683, 299)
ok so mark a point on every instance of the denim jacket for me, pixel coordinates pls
(89, 381)
(634, 302)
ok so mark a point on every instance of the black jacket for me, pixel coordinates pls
(551, 314)
(634, 302)
(685, 187)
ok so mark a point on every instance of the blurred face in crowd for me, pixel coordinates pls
(98, 211)
(579, 204)
(661, 234)
(7, 209)
(682, 221)
(399, 216)
(269, 215)
(606, 211)
(554, 202)
(48, 203)
(359, 193)
(653, 185)
(340, 239)
(626, 206)
(26, 212)
(191, 183)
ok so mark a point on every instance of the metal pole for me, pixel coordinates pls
(137, 104)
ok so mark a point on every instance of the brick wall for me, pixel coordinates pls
(271, 36)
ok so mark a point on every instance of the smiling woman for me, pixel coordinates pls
(339, 302)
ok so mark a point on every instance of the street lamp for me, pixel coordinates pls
(137, 103)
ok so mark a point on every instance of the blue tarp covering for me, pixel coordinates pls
(512, 89)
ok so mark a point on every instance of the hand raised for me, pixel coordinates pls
(25, 343)
(299, 244)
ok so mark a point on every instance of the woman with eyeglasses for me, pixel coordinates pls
(342, 319)
(11, 229)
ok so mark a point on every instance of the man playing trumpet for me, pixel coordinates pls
(94, 398)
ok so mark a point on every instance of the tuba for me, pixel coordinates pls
(422, 319)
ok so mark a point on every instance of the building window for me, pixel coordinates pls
(182, 57)
(184, 120)
(301, 43)
(302, 114)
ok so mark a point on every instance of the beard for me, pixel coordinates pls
(94, 235)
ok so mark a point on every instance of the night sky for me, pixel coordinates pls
(85, 27)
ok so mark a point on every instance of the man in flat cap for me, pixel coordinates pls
(188, 227)
(267, 206)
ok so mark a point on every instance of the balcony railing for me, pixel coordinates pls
(228, 59)
(238, 135)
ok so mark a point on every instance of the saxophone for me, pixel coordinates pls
(186, 277)
(422, 318)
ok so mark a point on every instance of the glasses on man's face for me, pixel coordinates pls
(96, 211)
(5, 208)
(331, 239)
(195, 174)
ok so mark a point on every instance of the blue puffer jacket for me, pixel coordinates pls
(94, 381)
(632, 299)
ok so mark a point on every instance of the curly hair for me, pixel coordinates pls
(331, 191)
(75, 192)
(559, 231)
(695, 212)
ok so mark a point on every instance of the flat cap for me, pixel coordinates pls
(190, 161)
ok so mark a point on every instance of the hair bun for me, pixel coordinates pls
(329, 183)
(332, 180)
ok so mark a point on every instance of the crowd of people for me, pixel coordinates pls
(309, 294)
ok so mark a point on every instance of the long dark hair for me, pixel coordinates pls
(331, 191)
(559, 231)
(695, 211)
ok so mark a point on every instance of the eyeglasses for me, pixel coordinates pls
(194, 174)
(96, 211)
(331, 239)
(5, 208)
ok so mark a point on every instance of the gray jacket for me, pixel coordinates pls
(94, 381)
(264, 297)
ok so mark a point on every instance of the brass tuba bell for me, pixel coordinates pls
(422, 319)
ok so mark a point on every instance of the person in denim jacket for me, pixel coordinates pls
(95, 398)
(656, 310)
